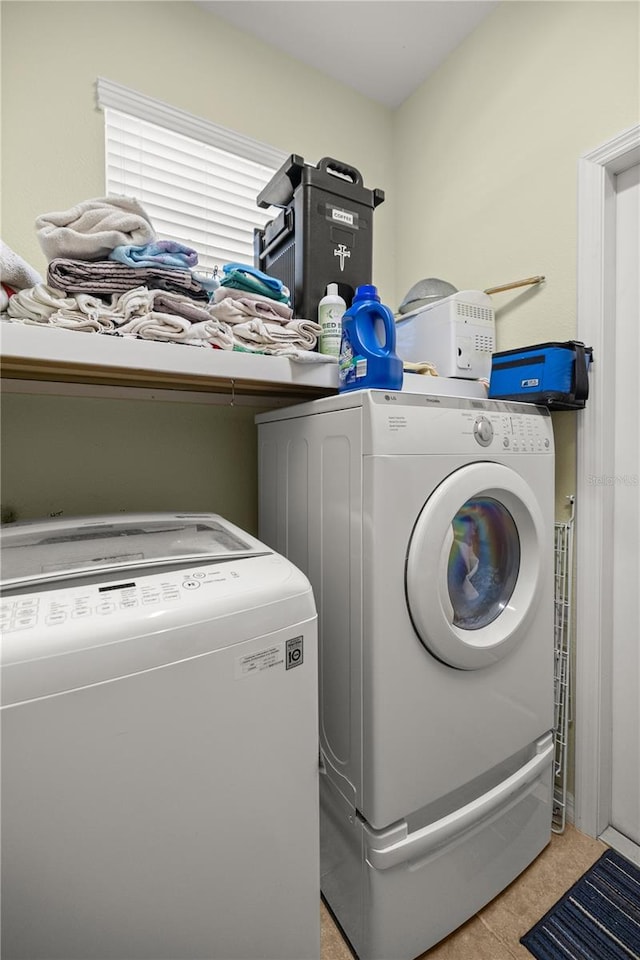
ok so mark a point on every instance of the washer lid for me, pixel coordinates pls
(67, 548)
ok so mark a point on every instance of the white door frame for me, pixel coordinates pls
(595, 461)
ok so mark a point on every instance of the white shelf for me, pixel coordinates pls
(68, 356)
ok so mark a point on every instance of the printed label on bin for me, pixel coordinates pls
(340, 215)
(254, 663)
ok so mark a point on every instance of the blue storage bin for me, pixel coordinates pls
(554, 375)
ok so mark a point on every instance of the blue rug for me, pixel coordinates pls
(597, 919)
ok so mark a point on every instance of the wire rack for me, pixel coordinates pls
(563, 630)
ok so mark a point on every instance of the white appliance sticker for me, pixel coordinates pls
(295, 652)
(254, 663)
(397, 423)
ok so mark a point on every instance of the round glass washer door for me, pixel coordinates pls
(473, 565)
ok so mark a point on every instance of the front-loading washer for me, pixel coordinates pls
(425, 525)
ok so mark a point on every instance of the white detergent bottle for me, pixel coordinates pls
(330, 310)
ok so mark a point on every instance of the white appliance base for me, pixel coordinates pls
(399, 912)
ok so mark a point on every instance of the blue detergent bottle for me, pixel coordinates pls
(368, 358)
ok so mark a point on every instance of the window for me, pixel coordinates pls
(197, 181)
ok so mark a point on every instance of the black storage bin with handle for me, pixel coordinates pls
(322, 234)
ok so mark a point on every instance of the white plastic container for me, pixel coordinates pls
(456, 334)
(330, 311)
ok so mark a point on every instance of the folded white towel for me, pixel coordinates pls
(137, 302)
(14, 271)
(239, 309)
(256, 331)
(77, 320)
(307, 330)
(36, 304)
(166, 326)
(45, 305)
(310, 356)
(295, 333)
(92, 229)
(90, 314)
(157, 326)
(286, 350)
(214, 332)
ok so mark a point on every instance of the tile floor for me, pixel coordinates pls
(494, 932)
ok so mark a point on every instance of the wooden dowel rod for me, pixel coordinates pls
(516, 283)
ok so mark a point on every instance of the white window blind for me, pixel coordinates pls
(197, 181)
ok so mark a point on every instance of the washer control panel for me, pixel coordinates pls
(70, 605)
(510, 432)
(416, 424)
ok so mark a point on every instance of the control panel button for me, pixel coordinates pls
(190, 584)
(54, 618)
(483, 431)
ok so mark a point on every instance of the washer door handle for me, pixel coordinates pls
(429, 838)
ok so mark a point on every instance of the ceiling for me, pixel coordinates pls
(384, 49)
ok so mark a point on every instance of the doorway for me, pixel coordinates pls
(607, 783)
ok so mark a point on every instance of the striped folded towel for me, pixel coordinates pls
(107, 276)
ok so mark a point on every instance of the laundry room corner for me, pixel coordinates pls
(517, 104)
(564, 431)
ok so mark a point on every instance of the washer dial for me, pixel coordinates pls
(483, 431)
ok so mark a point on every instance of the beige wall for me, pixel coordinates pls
(132, 456)
(478, 165)
(85, 455)
(487, 153)
(52, 132)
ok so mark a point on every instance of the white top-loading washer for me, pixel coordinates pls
(159, 742)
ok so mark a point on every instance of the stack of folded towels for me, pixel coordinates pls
(108, 273)
(256, 309)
